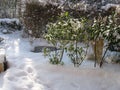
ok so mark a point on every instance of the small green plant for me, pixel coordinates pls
(95, 32)
(112, 33)
(62, 34)
(54, 57)
(106, 29)
(77, 54)
(58, 36)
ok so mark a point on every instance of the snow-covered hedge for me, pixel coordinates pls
(8, 25)
(37, 15)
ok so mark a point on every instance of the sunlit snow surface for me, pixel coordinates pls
(31, 71)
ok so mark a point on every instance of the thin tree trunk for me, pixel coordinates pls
(101, 63)
(76, 57)
(62, 53)
(19, 9)
(95, 48)
(15, 12)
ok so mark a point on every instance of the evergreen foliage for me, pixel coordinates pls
(67, 32)
(64, 33)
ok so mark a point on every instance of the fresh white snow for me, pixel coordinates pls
(108, 6)
(31, 71)
(7, 20)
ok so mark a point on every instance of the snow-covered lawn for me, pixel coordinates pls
(31, 71)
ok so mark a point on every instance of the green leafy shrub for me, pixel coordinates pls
(63, 34)
(105, 28)
(67, 32)
(112, 34)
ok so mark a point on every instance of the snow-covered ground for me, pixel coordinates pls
(31, 71)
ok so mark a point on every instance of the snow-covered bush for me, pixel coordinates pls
(65, 34)
(105, 28)
(112, 33)
(9, 25)
(37, 15)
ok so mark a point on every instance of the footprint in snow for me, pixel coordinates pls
(20, 88)
(12, 78)
(21, 74)
(30, 85)
(30, 70)
(74, 85)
